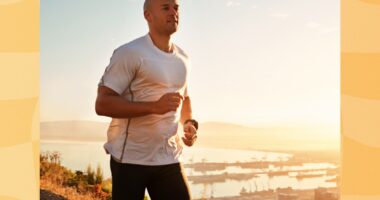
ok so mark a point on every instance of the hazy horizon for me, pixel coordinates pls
(212, 134)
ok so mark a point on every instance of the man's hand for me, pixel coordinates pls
(168, 102)
(190, 134)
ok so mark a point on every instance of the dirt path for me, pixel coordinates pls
(47, 195)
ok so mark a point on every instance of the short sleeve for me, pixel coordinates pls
(121, 70)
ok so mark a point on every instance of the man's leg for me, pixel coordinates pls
(128, 181)
(168, 182)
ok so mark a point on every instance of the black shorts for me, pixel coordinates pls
(163, 182)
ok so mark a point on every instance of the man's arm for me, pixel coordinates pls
(186, 110)
(110, 103)
(188, 128)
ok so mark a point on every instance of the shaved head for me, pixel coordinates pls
(147, 4)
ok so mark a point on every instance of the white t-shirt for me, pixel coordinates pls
(139, 72)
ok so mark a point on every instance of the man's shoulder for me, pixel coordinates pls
(181, 51)
(135, 46)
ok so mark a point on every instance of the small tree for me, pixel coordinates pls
(99, 175)
(56, 157)
(90, 175)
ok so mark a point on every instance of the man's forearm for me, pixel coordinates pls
(186, 112)
(117, 107)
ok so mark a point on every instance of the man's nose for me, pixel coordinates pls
(173, 11)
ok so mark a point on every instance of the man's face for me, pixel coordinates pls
(163, 16)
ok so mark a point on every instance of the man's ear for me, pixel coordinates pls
(147, 15)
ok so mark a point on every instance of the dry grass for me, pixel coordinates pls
(67, 192)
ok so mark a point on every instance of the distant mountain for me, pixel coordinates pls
(74, 130)
(214, 134)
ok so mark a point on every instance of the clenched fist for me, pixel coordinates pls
(190, 134)
(168, 102)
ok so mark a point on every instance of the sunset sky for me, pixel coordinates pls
(254, 62)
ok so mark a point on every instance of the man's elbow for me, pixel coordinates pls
(99, 108)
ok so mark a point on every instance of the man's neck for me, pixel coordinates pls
(162, 42)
